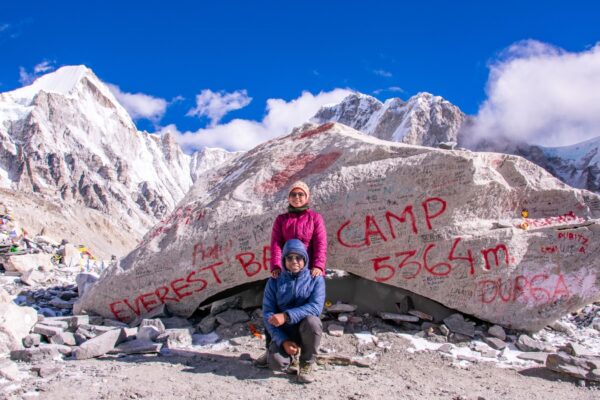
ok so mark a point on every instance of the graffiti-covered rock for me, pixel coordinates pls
(489, 234)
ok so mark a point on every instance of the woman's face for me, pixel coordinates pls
(297, 198)
(294, 262)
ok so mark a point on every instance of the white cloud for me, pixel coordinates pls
(240, 134)
(27, 78)
(43, 67)
(381, 72)
(140, 105)
(393, 89)
(542, 94)
(215, 105)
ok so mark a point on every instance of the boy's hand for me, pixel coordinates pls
(277, 319)
(275, 273)
(290, 347)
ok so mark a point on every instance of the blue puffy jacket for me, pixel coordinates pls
(300, 295)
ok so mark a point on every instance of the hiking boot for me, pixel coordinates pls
(262, 361)
(306, 374)
(294, 367)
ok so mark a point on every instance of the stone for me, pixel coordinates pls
(343, 317)
(398, 317)
(99, 345)
(9, 370)
(176, 323)
(15, 324)
(207, 324)
(176, 338)
(494, 343)
(84, 281)
(60, 303)
(114, 323)
(574, 366)
(404, 304)
(79, 338)
(155, 322)
(559, 326)
(66, 338)
(130, 333)
(96, 330)
(444, 330)
(148, 333)
(497, 331)
(32, 340)
(202, 340)
(32, 277)
(462, 357)
(46, 330)
(578, 350)
(160, 311)
(55, 322)
(35, 354)
(537, 356)
(445, 348)
(458, 338)
(457, 324)
(61, 348)
(421, 315)
(484, 349)
(335, 330)
(231, 317)
(376, 199)
(137, 346)
(4, 296)
(341, 308)
(46, 370)
(84, 333)
(27, 262)
(526, 343)
(219, 306)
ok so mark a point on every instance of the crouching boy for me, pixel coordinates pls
(292, 304)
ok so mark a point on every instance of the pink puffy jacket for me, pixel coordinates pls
(307, 226)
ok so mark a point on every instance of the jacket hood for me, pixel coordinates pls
(297, 247)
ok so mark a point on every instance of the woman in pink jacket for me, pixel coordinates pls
(300, 222)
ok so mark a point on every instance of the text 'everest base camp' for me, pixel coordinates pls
(488, 234)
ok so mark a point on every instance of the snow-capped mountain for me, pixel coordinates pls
(424, 119)
(430, 120)
(67, 139)
(577, 165)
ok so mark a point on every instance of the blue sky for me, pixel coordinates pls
(243, 53)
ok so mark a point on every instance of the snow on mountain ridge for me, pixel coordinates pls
(424, 119)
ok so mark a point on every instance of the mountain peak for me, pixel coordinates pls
(62, 81)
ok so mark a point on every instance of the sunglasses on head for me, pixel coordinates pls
(294, 257)
(297, 194)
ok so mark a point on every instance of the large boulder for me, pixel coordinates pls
(15, 324)
(444, 224)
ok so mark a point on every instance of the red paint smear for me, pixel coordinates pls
(298, 168)
(316, 131)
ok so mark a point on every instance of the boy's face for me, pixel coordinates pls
(294, 262)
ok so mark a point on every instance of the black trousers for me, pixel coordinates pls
(307, 334)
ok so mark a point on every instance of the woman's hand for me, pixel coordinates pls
(275, 273)
(315, 272)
